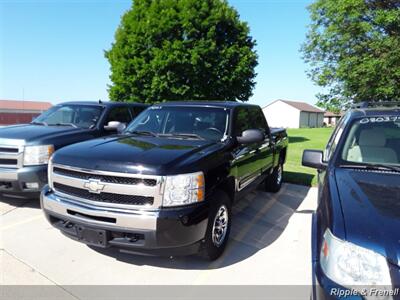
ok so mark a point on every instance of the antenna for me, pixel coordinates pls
(100, 102)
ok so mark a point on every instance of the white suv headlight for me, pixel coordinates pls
(37, 155)
(350, 265)
(183, 189)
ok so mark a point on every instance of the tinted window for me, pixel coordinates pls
(208, 123)
(136, 110)
(243, 120)
(120, 114)
(250, 118)
(258, 119)
(84, 116)
(373, 140)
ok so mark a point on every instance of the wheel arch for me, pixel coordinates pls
(228, 187)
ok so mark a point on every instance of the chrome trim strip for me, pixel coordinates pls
(8, 155)
(124, 219)
(106, 173)
(107, 205)
(8, 174)
(14, 167)
(12, 144)
(242, 184)
(112, 188)
(264, 146)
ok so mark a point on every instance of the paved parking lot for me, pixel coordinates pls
(270, 244)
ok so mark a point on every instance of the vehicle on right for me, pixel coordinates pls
(355, 228)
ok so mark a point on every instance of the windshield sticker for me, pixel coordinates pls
(380, 119)
(155, 107)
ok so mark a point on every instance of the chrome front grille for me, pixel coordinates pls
(104, 197)
(11, 156)
(106, 189)
(105, 178)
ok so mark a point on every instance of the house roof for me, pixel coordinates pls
(302, 106)
(24, 105)
(332, 114)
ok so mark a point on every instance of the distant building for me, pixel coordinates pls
(293, 114)
(331, 118)
(18, 111)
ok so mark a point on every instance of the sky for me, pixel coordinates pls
(53, 50)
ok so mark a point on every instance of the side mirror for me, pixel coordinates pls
(251, 136)
(115, 126)
(313, 159)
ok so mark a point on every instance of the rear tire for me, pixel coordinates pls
(273, 183)
(219, 226)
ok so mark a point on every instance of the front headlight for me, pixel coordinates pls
(37, 155)
(183, 189)
(350, 265)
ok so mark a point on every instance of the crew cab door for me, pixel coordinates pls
(265, 150)
(250, 160)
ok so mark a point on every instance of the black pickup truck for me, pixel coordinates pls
(26, 148)
(166, 185)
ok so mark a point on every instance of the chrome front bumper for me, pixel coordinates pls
(8, 174)
(178, 231)
(95, 215)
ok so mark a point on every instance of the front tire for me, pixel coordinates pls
(219, 226)
(274, 182)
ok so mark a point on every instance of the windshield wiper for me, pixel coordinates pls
(379, 167)
(183, 135)
(39, 123)
(64, 124)
(142, 132)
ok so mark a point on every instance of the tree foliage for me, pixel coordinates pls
(353, 47)
(182, 50)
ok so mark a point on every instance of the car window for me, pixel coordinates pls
(206, 122)
(243, 120)
(335, 138)
(373, 140)
(84, 116)
(63, 115)
(120, 114)
(250, 118)
(136, 110)
(258, 119)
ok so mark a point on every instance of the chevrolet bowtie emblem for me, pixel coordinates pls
(94, 186)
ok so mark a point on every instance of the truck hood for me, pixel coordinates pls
(371, 209)
(32, 133)
(134, 154)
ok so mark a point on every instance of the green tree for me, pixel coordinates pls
(182, 50)
(353, 48)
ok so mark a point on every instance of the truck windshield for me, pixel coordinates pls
(373, 142)
(182, 122)
(82, 116)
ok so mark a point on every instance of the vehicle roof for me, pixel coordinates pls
(375, 111)
(223, 104)
(103, 103)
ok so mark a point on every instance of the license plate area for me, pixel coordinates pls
(95, 237)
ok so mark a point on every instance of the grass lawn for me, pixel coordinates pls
(300, 139)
